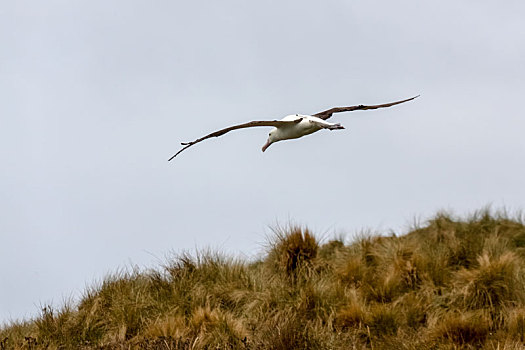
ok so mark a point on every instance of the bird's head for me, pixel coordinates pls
(273, 136)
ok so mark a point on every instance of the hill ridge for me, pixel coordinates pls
(449, 284)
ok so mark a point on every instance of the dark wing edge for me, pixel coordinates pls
(255, 123)
(328, 113)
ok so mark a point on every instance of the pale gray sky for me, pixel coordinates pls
(97, 95)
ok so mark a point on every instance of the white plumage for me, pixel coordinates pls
(302, 125)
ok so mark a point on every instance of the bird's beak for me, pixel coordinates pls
(266, 145)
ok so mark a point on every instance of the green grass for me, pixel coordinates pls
(449, 284)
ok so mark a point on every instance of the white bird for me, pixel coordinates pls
(292, 126)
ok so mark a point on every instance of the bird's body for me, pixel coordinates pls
(292, 126)
(308, 125)
(294, 131)
(301, 125)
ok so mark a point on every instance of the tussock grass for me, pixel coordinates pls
(292, 251)
(449, 284)
(463, 328)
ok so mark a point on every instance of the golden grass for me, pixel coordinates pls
(450, 284)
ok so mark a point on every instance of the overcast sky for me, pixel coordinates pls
(97, 95)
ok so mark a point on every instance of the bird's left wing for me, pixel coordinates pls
(328, 113)
(255, 123)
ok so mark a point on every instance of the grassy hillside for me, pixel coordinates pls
(450, 284)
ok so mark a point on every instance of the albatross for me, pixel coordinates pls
(292, 126)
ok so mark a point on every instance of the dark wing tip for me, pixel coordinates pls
(186, 145)
(176, 154)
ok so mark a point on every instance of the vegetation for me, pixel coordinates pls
(450, 284)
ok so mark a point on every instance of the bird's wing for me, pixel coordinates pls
(275, 123)
(328, 113)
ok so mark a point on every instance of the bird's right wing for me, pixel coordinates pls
(255, 123)
(328, 113)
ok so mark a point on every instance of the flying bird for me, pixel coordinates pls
(292, 126)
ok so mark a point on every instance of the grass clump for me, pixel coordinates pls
(463, 329)
(493, 283)
(292, 250)
(450, 284)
